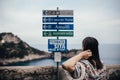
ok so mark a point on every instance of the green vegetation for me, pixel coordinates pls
(14, 47)
(11, 50)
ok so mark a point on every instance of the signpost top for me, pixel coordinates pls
(58, 12)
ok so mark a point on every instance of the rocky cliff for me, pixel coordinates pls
(13, 49)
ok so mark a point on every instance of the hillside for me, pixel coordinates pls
(12, 47)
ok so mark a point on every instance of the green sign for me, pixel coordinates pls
(58, 34)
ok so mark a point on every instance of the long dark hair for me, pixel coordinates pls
(90, 43)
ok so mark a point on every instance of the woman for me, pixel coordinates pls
(87, 64)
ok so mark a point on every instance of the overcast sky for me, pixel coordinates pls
(97, 18)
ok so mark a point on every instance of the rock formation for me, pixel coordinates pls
(13, 49)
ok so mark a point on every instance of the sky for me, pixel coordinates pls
(96, 18)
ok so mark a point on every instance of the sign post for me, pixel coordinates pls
(59, 53)
(52, 21)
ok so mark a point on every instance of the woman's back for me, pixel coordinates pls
(85, 71)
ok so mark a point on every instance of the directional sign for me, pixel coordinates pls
(58, 12)
(57, 19)
(57, 33)
(58, 26)
(57, 45)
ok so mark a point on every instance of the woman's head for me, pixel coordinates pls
(90, 43)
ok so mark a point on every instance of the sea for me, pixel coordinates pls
(109, 54)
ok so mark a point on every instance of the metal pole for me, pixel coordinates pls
(57, 70)
(57, 22)
(57, 38)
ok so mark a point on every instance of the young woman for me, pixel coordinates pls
(87, 64)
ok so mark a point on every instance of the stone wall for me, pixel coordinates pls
(114, 72)
(28, 73)
(45, 73)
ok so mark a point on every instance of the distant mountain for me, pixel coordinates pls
(12, 46)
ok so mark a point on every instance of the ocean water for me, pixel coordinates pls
(109, 54)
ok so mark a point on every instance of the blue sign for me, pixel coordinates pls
(57, 45)
(57, 19)
(58, 26)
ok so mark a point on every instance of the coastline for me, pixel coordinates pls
(29, 57)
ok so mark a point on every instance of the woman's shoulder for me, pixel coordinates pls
(88, 66)
(92, 71)
(85, 62)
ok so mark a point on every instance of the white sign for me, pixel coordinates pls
(57, 57)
